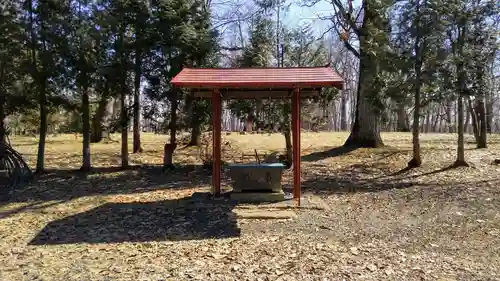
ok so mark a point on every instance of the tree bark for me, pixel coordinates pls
(249, 123)
(449, 120)
(170, 148)
(343, 112)
(124, 129)
(120, 48)
(86, 131)
(475, 127)
(366, 129)
(460, 130)
(402, 124)
(195, 133)
(3, 150)
(41, 81)
(462, 86)
(289, 148)
(137, 108)
(97, 126)
(168, 154)
(468, 116)
(287, 132)
(416, 161)
(40, 160)
(489, 113)
(437, 117)
(428, 120)
(482, 121)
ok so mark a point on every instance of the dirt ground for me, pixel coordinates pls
(375, 222)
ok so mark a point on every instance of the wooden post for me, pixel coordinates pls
(296, 144)
(216, 142)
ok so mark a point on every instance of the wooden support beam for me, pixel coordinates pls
(257, 94)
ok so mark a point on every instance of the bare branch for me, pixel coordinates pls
(339, 21)
(346, 16)
(309, 4)
(232, 49)
(346, 43)
(351, 48)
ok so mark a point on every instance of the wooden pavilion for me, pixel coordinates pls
(254, 83)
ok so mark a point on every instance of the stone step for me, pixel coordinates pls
(263, 214)
(258, 197)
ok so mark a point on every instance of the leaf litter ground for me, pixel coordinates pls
(376, 223)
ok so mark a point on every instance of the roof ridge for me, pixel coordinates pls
(271, 67)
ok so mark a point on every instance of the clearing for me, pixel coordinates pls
(432, 223)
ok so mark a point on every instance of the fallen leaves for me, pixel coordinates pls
(371, 224)
(354, 251)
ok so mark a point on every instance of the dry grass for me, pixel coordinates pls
(379, 224)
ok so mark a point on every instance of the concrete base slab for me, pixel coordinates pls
(264, 214)
(258, 197)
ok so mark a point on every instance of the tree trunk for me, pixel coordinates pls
(170, 148)
(120, 48)
(449, 121)
(460, 127)
(168, 155)
(124, 129)
(437, 117)
(137, 108)
(41, 81)
(197, 120)
(462, 80)
(195, 133)
(468, 116)
(86, 131)
(2, 130)
(416, 161)
(428, 120)
(40, 160)
(343, 112)
(440, 122)
(97, 126)
(475, 127)
(289, 148)
(489, 113)
(366, 129)
(249, 123)
(482, 121)
(402, 124)
(287, 133)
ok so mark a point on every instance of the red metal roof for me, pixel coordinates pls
(297, 77)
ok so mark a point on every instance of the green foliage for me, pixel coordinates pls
(259, 51)
(301, 50)
(13, 74)
(450, 35)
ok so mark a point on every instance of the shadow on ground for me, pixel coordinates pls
(70, 184)
(336, 184)
(366, 178)
(334, 152)
(35, 143)
(175, 220)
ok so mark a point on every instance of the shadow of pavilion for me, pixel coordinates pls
(170, 220)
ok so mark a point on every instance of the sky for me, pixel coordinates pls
(295, 16)
(298, 15)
